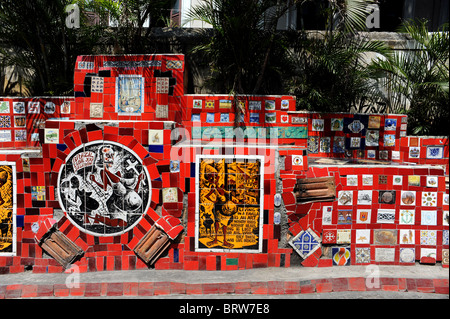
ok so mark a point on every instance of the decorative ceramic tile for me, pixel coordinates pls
(51, 136)
(327, 215)
(344, 217)
(5, 121)
(197, 104)
(386, 216)
(20, 121)
(225, 118)
(429, 199)
(254, 105)
(397, 180)
(432, 181)
(96, 110)
(445, 237)
(363, 236)
(317, 125)
(195, 117)
(284, 104)
(382, 180)
(297, 160)
(49, 108)
(389, 140)
(210, 104)
(407, 217)
(174, 64)
(367, 180)
(386, 197)
(132, 64)
(414, 152)
(155, 137)
(407, 237)
(339, 144)
(365, 197)
(345, 198)
(162, 111)
(129, 94)
(408, 198)
(445, 218)
(337, 125)
(162, 85)
(390, 125)
(435, 152)
(356, 126)
(343, 236)
(20, 135)
(38, 193)
(445, 257)
(34, 107)
(355, 142)
(271, 117)
(174, 166)
(372, 138)
(269, 105)
(445, 199)
(407, 255)
(65, 107)
(428, 237)
(352, 180)
(363, 216)
(305, 243)
(362, 255)
(97, 84)
(210, 117)
(413, 180)
(313, 145)
(299, 120)
(385, 237)
(341, 256)
(329, 236)
(5, 135)
(4, 107)
(84, 65)
(371, 154)
(374, 122)
(284, 118)
(384, 155)
(170, 195)
(325, 145)
(396, 155)
(18, 107)
(429, 217)
(384, 254)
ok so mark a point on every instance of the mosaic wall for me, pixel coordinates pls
(130, 155)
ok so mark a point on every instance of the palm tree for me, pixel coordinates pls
(415, 81)
(330, 68)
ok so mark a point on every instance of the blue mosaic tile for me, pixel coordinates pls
(305, 243)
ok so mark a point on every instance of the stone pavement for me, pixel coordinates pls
(424, 281)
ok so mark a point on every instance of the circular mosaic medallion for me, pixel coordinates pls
(104, 188)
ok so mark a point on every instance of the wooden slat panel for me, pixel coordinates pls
(315, 189)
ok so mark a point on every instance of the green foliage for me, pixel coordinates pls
(244, 50)
(415, 81)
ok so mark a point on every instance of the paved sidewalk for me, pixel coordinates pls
(419, 281)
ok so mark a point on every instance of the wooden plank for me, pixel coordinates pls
(316, 180)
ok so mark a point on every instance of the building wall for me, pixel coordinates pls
(130, 156)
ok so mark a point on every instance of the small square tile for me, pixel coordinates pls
(428, 237)
(407, 237)
(362, 255)
(429, 199)
(329, 236)
(341, 256)
(343, 236)
(429, 217)
(407, 217)
(407, 255)
(363, 236)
